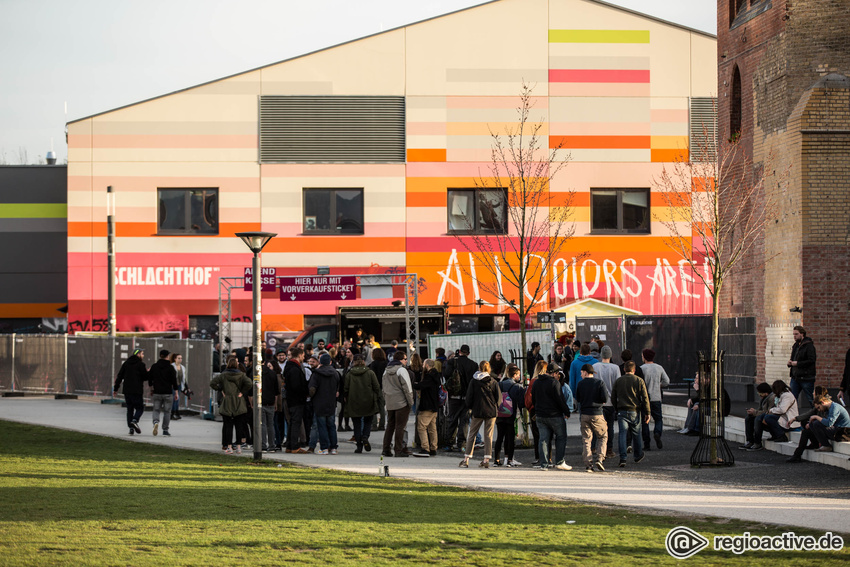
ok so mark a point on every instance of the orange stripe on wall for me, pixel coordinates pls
(431, 199)
(669, 155)
(426, 155)
(601, 142)
(27, 310)
(144, 229)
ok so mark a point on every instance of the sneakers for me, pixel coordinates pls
(484, 465)
(386, 453)
(333, 451)
(228, 450)
(464, 464)
(658, 442)
(600, 466)
(497, 462)
(514, 463)
(622, 464)
(432, 453)
(642, 457)
(239, 449)
(794, 459)
(682, 431)
(359, 449)
(588, 468)
(366, 445)
(155, 428)
(824, 449)
(135, 425)
(421, 454)
(563, 467)
(746, 447)
(756, 447)
(479, 445)
(132, 431)
(299, 451)
(166, 433)
(320, 452)
(629, 449)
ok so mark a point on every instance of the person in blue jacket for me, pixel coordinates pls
(579, 361)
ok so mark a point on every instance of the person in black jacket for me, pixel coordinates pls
(482, 398)
(505, 424)
(270, 398)
(163, 382)
(427, 408)
(458, 412)
(590, 396)
(802, 365)
(295, 385)
(133, 373)
(551, 409)
(324, 389)
(844, 388)
(379, 366)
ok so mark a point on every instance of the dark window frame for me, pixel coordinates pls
(330, 232)
(620, 192)
(187, 211)
(476, 229)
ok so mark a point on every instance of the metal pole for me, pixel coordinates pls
(110, 248)
(66, 363)
(13, 362)
(257, 362)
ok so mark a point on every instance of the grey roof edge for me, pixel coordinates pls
(600, 2)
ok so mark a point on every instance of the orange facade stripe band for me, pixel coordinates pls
(661, 156)
(426, 155)
(600, 142)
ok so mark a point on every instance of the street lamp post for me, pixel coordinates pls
(256, 241)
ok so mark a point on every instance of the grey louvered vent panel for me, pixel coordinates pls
(703, 128)
(310, 129)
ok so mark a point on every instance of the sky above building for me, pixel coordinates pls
(66, 60)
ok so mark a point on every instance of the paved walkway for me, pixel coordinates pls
(630, 486)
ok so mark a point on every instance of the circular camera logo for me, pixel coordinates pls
(684, 542)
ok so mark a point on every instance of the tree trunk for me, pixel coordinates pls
(715, 413)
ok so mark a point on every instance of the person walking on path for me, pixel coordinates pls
(362, 399)
(295, 386)
(133, 374)
(655, 378)
(583, 358)
(428, 407)
(482, 399)
(505, 433)
(551, 410)
(591, 396)
(630, 400)
(163, 382)
(608, 372)
(176, 361)
(457, 388)
(323, 389)
(398, 397)
(802, 365)
(235, 388)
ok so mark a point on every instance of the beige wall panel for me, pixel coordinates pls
(188, 107)
(427, 115)
(670, 66)
(192, 169)
(239, 200)
(185, 128)
(334, 259)
(511, 34)
(608, 109)
(414, 142)
(417, 103)
(175, 155)
(703, 65)
(670, 103)
(223, 244)
(669, 129)
(605, 50)
(370, 66)
(86, 245)
(593, 155)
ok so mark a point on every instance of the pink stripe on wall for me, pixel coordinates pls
(426, 128)
(332, 170)
(669, 115)
(371, 229)
(598, 75)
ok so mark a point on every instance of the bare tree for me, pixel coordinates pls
(23, 156)
(521, 226)
(717, 208)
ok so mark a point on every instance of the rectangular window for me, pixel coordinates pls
(187, 211)
(617, 211)
(333, 211)
(477, 211)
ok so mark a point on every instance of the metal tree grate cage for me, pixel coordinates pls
(712, 449)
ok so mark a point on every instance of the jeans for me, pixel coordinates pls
(362, 428)
(396, 425)
(610, 419)
(807, 386)
(771, 423)
(821, 432)
(753, 428)
(655, 412)
(161, 403)
(267, 438)
(296, 418)
(807, 438)
(505, 434)
(627, 422)
(458, 419)
(135, 408)
(175, 404)
(549, 426)
(326, 428)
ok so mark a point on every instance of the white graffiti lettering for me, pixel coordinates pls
(163, 276)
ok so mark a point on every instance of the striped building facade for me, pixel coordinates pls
(614, 87)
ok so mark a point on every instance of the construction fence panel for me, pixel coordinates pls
(40, 363)
(90, 370)
(199, 372)
(676, 340)
(610, 330)
(6, 362)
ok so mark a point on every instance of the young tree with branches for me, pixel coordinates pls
(717, 208)
(525, 225)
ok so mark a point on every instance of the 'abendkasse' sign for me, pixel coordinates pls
(317, 288)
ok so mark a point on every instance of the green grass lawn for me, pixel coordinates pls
(75, 499)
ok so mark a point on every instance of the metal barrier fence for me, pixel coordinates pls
(68, 364)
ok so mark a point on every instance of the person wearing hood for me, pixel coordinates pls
(362, 398)
(235, 388)
(482, 398)
(163, 382)
(398, 399)
(323, 389)
(551, 410)
(134, 374)
(584, 357)
(429, 405)
(802, 365)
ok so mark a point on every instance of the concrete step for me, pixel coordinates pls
(675, 416)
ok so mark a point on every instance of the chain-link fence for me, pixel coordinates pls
(54, 364)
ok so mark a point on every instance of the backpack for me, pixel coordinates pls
(506, 406)
(529, 405)
(454, 385)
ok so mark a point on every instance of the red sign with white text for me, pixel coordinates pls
(267, 279)
(318, 288)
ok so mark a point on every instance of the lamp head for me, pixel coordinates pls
(256, 240)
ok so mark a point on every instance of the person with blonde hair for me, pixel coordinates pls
(482, 398)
